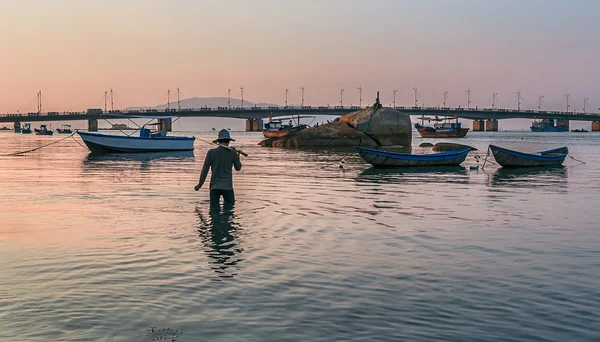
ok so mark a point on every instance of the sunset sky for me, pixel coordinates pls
(74, 50)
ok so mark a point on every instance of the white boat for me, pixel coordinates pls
(146, 142)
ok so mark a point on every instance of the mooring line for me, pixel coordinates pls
(79, 142)
(37, 148)
(577, 160)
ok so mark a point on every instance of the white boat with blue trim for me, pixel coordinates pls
(145, 142)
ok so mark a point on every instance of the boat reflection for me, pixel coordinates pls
(132, 161)
(219, 232)
(417, 174)
(545, 177)
(176, 155)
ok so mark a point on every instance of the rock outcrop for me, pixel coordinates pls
(442, 147)
(387, 126)
(334, 134)
(370, 127)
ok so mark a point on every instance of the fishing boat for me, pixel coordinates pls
(4, 128)
(64, 129)
(26, 129)
(548, 125)
(147, 141)
(442, 128)
(381, 158)
(276, 128)
(583, 130)
(510, 158)
(43, 130)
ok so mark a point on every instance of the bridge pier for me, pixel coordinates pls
(595, 126)
(478, 126)
(165, 124)
(92, 125)
(17, 126)
(491, 125)
(254, 125)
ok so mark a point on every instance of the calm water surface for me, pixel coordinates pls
(104, 248)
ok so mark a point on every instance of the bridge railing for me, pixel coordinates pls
(412, 110)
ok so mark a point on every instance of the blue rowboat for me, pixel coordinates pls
(380, 158)
(510, 158)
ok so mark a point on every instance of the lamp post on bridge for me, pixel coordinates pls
(105, 93)
(302, 88)
(468, 98)
(229, 98)
(494, 100)
(242, 91)
(518, 100)
(359, 96)
(342, 97)
(286, 93)
(395, 91)
(415, 89)
(112, 104)
(540, 102)
(584, 103)
(178, 103)
(567, 96)
(445, 97)
(168, 100)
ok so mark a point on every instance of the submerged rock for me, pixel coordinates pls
(442, 147)
(426, 145)
(387, 126)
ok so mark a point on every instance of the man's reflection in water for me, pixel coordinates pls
(218, 232)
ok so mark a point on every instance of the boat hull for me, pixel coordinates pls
(282, 132)
(510, 159)
(379, 158)
(63, 131)
(105, 143)
(42, 132)
(456, 133)
(549, 129)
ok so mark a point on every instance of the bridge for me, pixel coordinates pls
(483, 118)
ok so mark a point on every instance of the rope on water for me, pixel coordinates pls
(78, 142)
(577, 160)
(37, 148)
(486, 157)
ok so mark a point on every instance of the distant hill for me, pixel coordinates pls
(211, 102)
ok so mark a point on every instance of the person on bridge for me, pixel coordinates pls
(220, 161)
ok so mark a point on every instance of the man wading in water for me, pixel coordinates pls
(220, 160)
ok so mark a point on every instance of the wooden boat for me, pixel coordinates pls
(147, 141)
(275, 128)
(510, 158)
(26, 129)
(100, 142)
(43, 130)
(442, 128)
(380, 158)
(64, 129)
